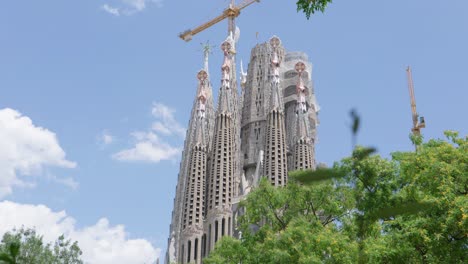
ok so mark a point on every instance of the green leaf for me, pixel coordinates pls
(311, 6)
(5, 258)
(311, 176)
(363, 152)
(355, 121)
(14, 249)
(406, 208)
(417, 140)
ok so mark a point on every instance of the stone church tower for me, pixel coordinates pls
(275, 166)
(268, 131)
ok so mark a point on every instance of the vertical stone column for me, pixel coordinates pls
(175, 238)
(303, 145)
(275, 161)
(194, 201)
(222, 171)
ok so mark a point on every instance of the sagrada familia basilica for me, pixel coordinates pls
(264, 130)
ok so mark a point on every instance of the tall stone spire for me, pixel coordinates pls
(275, 98)
(194, 202)
(199, 133)
(222, 166)
(303, 157)
(275, 162)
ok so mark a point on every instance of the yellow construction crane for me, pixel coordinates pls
(231, 13)
(418, 122)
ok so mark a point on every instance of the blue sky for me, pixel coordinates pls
(107, 87)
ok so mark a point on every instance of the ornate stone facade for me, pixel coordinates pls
(269, 130)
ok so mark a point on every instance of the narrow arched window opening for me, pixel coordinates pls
(189, 250)
(195, 252)
(209, 239)
(216, 231)
(222, 227)
(182, 255)
(203, 246)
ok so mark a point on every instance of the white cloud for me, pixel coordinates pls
(106, 138)
(161, 128)
(167, 123)
(24, 150)
(101, 243)
(137, 4)
(129, 7)
(149, 147)
(66, 181)
(111, 10)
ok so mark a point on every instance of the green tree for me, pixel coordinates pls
(412, 208)
(25, 246)
(437, 174)
(11, 254)
(295, 224)
(311, 6)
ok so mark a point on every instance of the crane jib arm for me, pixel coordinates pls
(188, 34)
(232, 12)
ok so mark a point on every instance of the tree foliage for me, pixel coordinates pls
(412, 208)
(295, 224)
(309, 7)
(25, 246)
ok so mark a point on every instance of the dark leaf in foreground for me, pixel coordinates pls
(5, 258)
(355, 121)
(310, 176)
(363, 153)
(14, 249)
(406, 208)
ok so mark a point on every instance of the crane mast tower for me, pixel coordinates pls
(418, 122)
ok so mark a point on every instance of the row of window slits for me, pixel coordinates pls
(274, 135)
(222, 159)
(198, 165)
(303, 157)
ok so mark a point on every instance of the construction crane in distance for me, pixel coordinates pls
(231, 13)
(418, 122)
